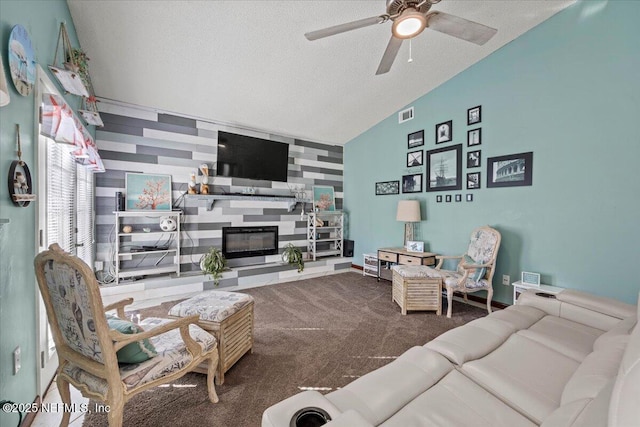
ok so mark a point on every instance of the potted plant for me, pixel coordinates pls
(213, 262)
(293, 255)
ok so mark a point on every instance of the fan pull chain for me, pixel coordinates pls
(410, 55)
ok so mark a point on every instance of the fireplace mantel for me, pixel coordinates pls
(209, 199)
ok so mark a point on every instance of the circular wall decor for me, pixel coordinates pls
(20, 184)
(22, 60)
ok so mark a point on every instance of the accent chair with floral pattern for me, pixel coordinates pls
(475, 269)
(87, 347)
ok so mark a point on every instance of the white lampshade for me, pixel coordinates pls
(4, 90)
(408, 211)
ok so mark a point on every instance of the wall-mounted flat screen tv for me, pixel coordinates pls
(243, 156)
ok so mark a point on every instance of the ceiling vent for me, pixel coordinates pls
(405, 115)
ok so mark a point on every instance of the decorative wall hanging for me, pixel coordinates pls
(414, 158)
(474, 137)
(324, 198)
(19, 179)
(444, 168)
(148, 192)
(444, 132)
(68, 75)
(474, 115)
(447, 198)
(22, 61)
(89, 108)
(473, 159)
(438, 199)
(473, 181)
(412, 183)
(514, 170)
(469, 197)
(415, 139)
(387, 187)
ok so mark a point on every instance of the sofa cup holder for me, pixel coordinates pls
(310, 417)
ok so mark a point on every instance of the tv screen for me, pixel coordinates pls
(242, 156)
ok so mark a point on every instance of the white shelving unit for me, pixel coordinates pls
(325, 240)
(132, 259)
(370, 265)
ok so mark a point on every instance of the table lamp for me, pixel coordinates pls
(409, 212)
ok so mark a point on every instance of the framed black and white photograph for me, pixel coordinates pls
(474, 115)
(414, 158)
(444, 168)
(514, 170)
(447, 198)
(438, 199)
(412, 183)
(473, 181)
(458, 197)
(473, 159)
(387, 187)
(469, 197)
(415, 139)
(444, 132)
(474, 137)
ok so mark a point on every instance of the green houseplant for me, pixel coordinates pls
(213, 262)
(293, 255)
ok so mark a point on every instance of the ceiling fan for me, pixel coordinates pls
(410, 18)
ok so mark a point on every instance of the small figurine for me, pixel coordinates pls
(193, 186)
(204, 186)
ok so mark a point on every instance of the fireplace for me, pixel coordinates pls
(239, 242)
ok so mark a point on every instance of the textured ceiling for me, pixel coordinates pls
(248, 63)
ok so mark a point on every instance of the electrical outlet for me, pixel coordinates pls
(16, 360)
(506, 280)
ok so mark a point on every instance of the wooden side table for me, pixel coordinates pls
(519, 287)
(391, 256)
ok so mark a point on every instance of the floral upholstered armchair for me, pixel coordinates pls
(475, 269)
(106, 357)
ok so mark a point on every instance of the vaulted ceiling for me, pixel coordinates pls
(248, 63)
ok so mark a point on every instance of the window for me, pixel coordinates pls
(69, 200)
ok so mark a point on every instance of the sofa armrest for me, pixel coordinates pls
(349, 418)
(280, 414)
(607, 306)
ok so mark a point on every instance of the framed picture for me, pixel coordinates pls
(444, 168)
(474, 115)
(438, 199)
(473, 180)
(148, 192)
(473, 159)
(474, 137)
(415, 139)
(469, 197)
(414, 158)
(413, 246)
(447, 198)
(387, 187)
(458, 197)
(323, 198)
(412, 183)
(529, 278)
(514, 170)
(444, 132)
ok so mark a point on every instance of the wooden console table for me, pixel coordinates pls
(390, 256)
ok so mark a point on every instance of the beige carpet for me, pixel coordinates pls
(322, 332)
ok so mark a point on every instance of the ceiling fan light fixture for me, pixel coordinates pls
(409, 24)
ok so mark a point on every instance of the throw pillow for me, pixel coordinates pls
(477, 273)
(136, 352)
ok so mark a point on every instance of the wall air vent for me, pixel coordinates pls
(405, 115)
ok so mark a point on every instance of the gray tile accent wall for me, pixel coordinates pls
(176, 146)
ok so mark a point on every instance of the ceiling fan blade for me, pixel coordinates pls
(389, 55)
(342, 28)
(460, 27)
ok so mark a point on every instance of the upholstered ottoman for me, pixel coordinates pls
(414, 290)
(226, 315)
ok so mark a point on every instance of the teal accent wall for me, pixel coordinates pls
(568, 90)
(18, 238)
